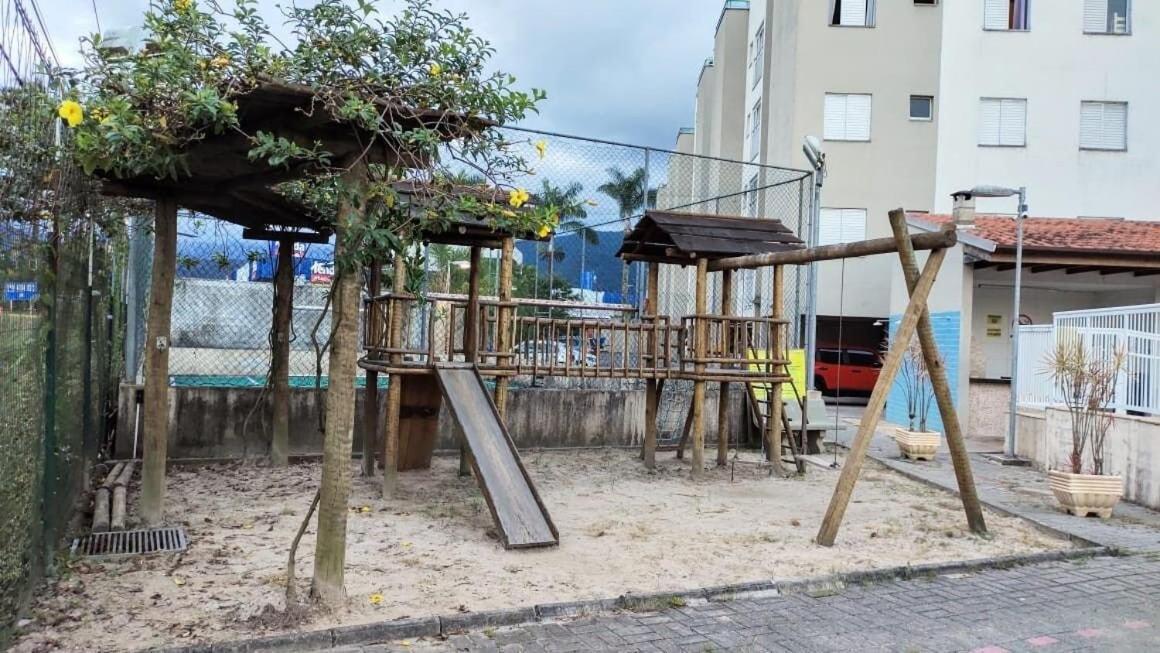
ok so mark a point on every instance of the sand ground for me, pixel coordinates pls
(432, 550)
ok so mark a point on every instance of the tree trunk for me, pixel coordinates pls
(330, 549)
(156, 404)
(280, 354)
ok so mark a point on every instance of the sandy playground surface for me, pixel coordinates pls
(432, 551)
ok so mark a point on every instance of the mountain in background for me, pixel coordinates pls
(599, 258)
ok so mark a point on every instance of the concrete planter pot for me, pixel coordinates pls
(1086, 494)
(917, 445)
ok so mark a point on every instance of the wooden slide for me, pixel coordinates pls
(519, 514)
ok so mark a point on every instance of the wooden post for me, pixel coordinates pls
(699, 346)
(394, 384)
(503, 323)
(156, 404)
(723, 395)
(371, 394)
(652, 396)
(470, 340)
(774, 420)
(280, 354)
(938, 382)
(873, 413)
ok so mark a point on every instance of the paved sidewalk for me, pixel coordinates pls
(1101, 604)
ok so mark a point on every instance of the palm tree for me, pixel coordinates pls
(629, 194)
(570, 208)
(442, 258)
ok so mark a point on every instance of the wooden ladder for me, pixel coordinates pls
(790, 451)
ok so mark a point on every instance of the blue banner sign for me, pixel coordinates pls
(21, 291)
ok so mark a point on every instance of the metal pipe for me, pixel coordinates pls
(1009, 445)
(812, 278)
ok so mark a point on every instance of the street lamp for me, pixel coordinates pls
(812, 148)
(1021, 193)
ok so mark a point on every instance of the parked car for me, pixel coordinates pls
(849, 370)
(549, 354)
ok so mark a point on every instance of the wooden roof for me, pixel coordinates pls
(224, 182)
(681, 238)
(467, 229)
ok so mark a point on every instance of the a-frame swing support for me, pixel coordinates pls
(915, 319)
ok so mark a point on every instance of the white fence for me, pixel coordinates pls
(1133, 330)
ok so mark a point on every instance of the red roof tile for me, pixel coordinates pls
(1078, 235)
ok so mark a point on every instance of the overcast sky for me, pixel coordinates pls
(623, 70)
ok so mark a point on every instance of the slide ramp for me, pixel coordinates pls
(519, 514)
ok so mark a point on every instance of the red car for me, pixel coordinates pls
(849, 370)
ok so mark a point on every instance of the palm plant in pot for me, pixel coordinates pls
(1086, 381)
(916, 441)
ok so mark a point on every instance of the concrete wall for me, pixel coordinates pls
(208, 422)
(891, 61)
(1132, 451)
(1054, 66)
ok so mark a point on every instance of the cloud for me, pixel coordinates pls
(621, 70)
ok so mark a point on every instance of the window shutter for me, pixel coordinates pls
(834, 121)
(996, 14)
(858, 117)
(989, 121)
(1013, 122)
(853, 12)
(1095, 16)
(1103, 125)
(1116, 125)
(841, 226)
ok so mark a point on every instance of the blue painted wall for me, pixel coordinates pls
(946, 334)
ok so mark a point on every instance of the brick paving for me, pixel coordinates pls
(1098, 604)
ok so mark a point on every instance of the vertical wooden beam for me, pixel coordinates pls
(503, 321)
(700, 345)
(873, 413)
(394, 382)
(371, 394)
(939, 383)
(723, 395)
(280, 354)
(652, 396)
(773, 422)
(470, 340)
(156, 404)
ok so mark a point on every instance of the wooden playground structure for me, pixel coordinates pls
(468, 338)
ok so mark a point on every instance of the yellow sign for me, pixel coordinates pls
(994, 326)
(797, 372)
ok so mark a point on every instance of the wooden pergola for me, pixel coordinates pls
(220, 179)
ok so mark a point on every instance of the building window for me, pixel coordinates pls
(758, 63)
(755, 129)
(921, 107)
(852, 13)
(1103, 126)
(1014, 15)
(1003, 122)
(1107, 16)
(847, 117)
(841, 226)
(751, 196)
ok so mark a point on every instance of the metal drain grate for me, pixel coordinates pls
(129, 543)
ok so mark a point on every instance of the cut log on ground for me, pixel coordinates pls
(102, 497)
(120, 491)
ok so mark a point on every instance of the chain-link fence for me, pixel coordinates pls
(59, 268)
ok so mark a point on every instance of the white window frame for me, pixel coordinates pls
(910, 113)
(999, 5)
(1085, 108)
(844, 135)
(846, 218)
(751, 196)
(1003, 102)
(754, 135)
(871, 9)
(758, 63)
(1093, 8)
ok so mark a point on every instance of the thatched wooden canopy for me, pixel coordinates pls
(466, 229)
(681, 238)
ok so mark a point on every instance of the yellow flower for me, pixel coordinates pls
(182, 5)
(72, 112)
(518, 197)
(541, 147)
(435, 69)
(544, 231)
(376, 599)
(220, 61)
